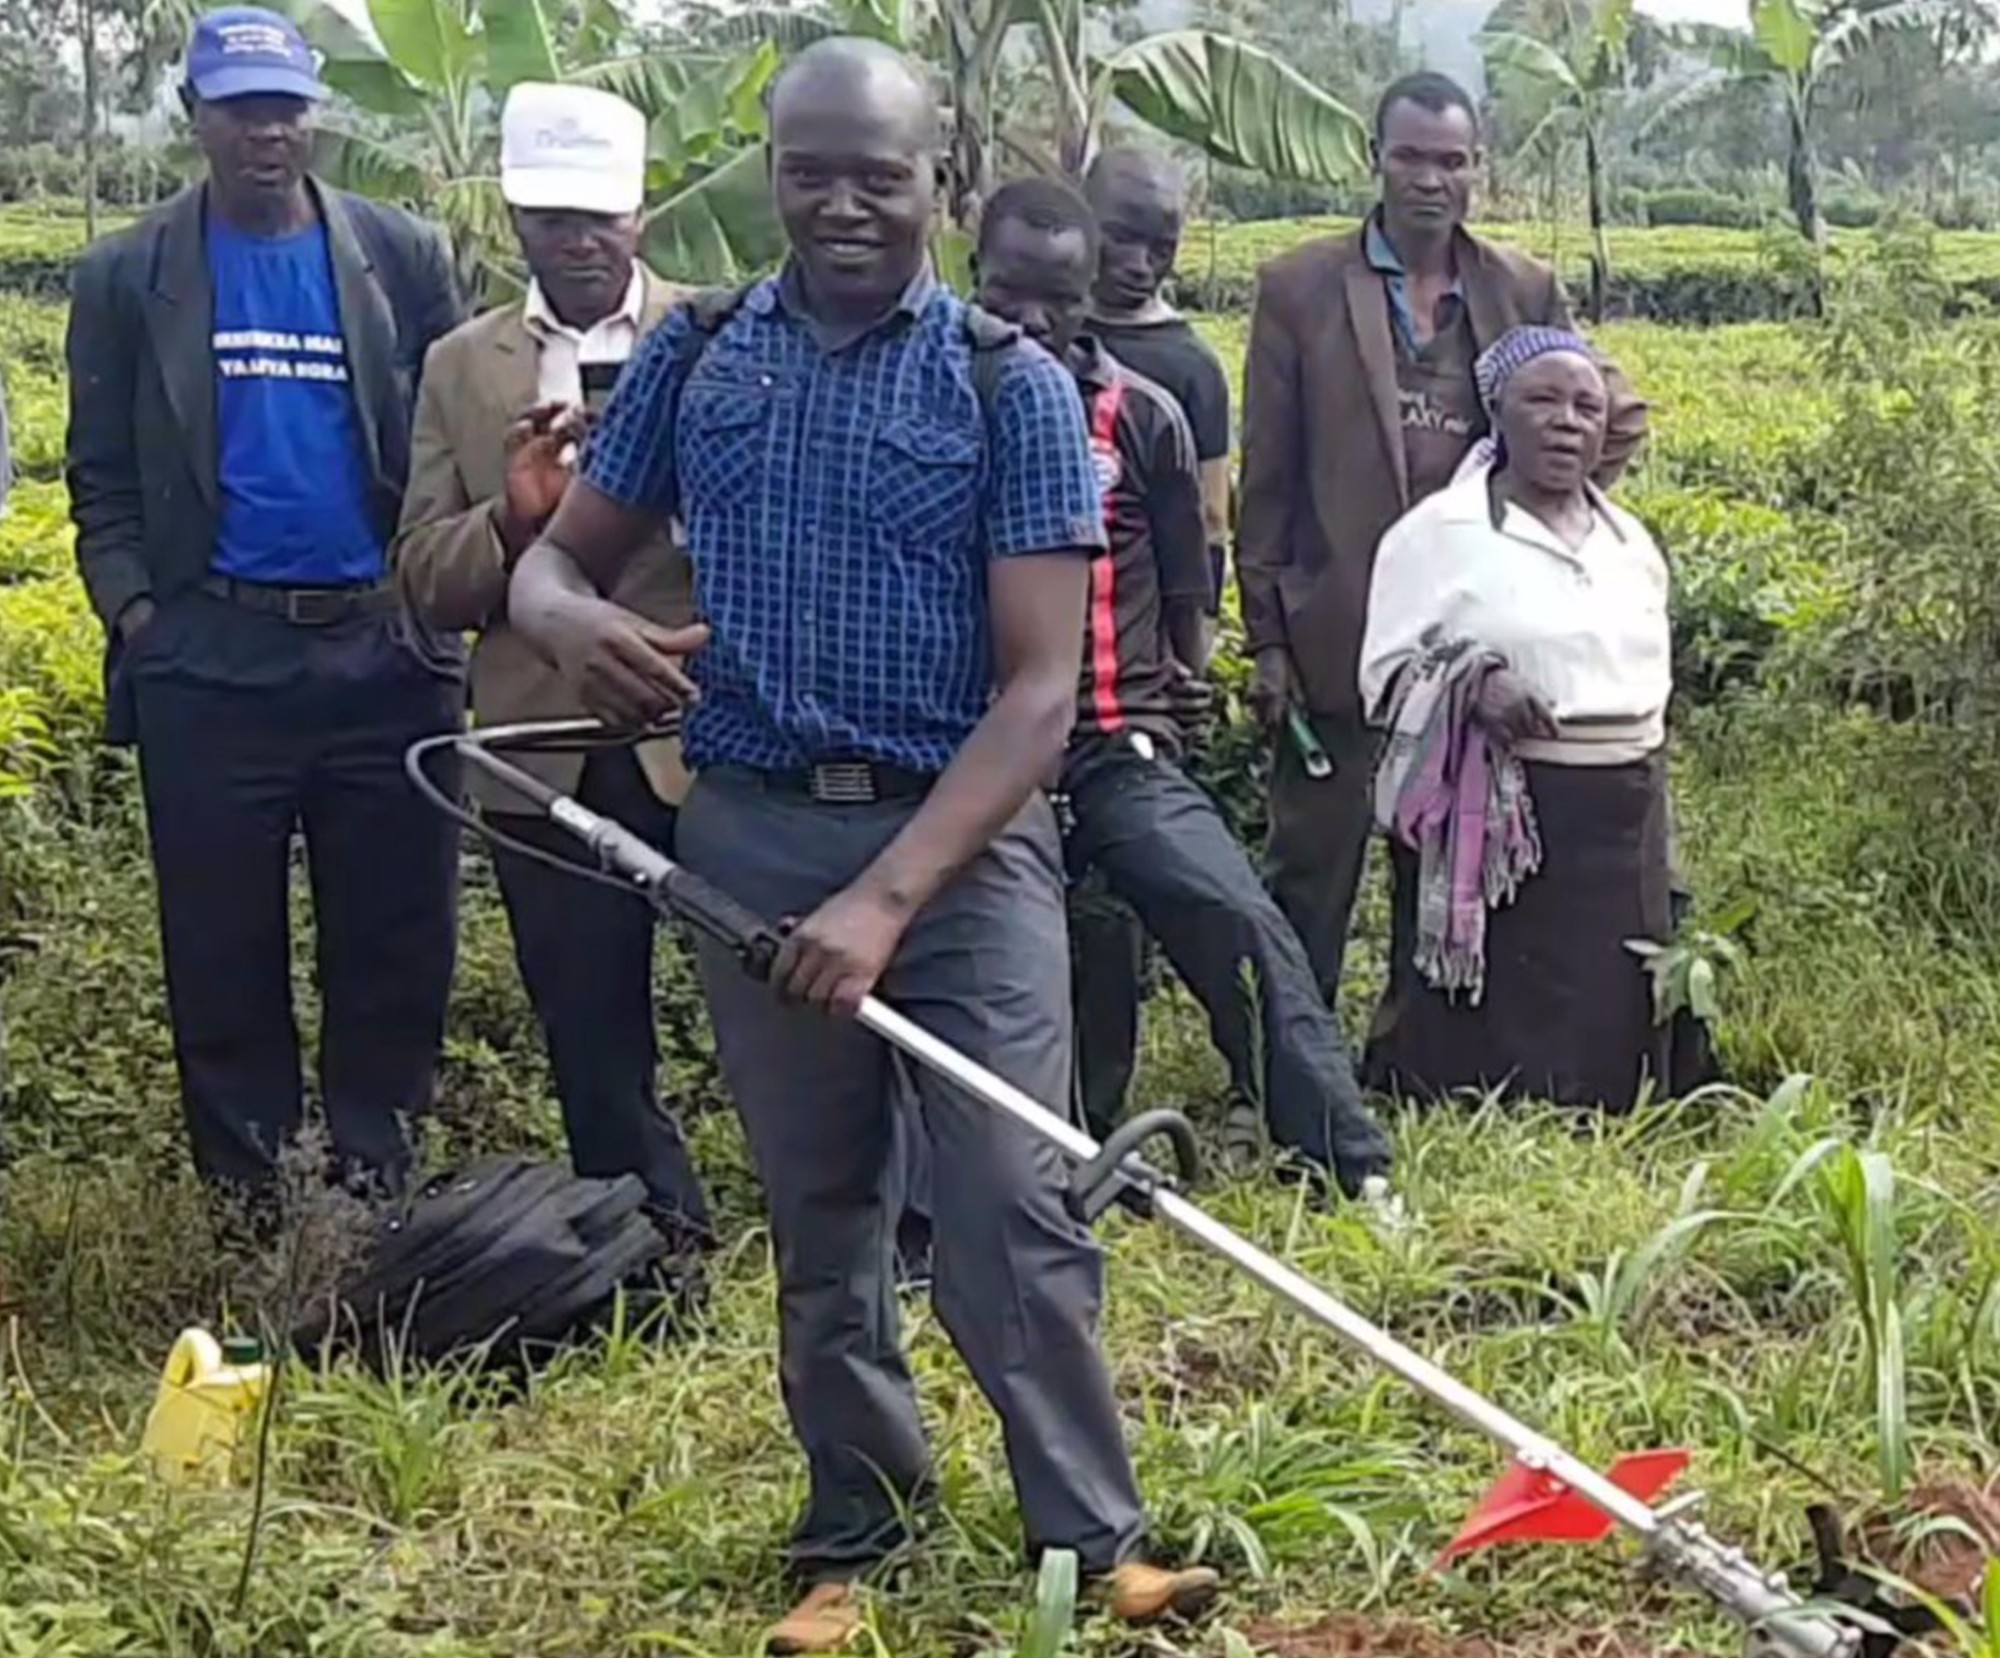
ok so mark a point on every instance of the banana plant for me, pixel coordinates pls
(424, 81)
(1570, 75)
(1235, 102)
(1794, 48)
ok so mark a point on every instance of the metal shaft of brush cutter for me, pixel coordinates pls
(1779, 1622)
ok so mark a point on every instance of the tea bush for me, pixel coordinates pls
(1700, 276)
(1699, 207)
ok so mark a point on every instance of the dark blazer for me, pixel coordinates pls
(1324, 474)
(142, 411)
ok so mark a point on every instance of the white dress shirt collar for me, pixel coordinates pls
(564, 351)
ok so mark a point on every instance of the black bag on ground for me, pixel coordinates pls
(507, 1257)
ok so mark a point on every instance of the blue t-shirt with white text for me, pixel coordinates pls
(294, 482)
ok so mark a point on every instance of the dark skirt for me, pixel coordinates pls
(1568, 1010)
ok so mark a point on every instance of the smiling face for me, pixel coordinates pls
(855, 172)
(1140, 210)
(257, 149)
(583, 261)
(1551, 420)
(1038, 278)
(1427, 159)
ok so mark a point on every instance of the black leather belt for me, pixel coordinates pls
(305, 606)
(850, 782)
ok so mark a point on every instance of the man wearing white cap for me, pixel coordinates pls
(505, 401)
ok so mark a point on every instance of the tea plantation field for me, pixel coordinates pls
(1798, 1276)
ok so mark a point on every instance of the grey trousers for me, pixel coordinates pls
(1319, 840)
(1017, 1282)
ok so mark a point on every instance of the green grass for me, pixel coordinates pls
(1717, 1275)
(636, 1498)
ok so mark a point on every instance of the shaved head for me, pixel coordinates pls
(1131, 169)
(1140, 199)
(869, 78)
(857, 166)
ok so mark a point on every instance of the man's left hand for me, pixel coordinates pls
(834, 958)
(1193, 701)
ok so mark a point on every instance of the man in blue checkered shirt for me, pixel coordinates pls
(890, 548)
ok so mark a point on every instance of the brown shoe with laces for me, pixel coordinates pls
(826, 1620)
(1137, 1593)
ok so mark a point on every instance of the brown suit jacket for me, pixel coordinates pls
(1323, 466)
(449, 559)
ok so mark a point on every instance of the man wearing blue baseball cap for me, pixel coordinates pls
(242, 368)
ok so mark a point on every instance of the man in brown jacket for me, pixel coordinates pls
(505, 403)
(1359, 402)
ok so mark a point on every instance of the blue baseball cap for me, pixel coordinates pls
(247, 52)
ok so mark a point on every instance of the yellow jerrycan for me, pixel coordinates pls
(208, 1402)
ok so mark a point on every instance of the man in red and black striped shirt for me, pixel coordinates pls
(1155, 838)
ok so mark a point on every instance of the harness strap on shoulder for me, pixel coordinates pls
(991, 340)
(710, 311)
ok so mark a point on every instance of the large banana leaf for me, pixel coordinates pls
(430, 41)
(1856, 32)
(1533, 60)
(1239, 104)
(719, 112)
(520, 42)
(600, 28)
(368, 167)
(1539, 89)
(788, 30)
(691, 90)
(1610, 37)
(720, 228)
(353, 62)
(475, 213)
(1786, 31)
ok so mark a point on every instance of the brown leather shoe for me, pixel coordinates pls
(826, 1620)
(1138, 1593)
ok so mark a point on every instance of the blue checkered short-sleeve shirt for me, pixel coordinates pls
(841, 507)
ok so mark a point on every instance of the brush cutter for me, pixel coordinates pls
(1546, 1495)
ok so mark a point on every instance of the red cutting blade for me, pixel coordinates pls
(1527, 1505)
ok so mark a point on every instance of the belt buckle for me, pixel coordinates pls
(308, 607)
(844, 783)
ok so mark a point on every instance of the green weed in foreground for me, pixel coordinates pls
(1736, 1274)
(1675, 1279)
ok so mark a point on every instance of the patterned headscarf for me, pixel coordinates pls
(1514, 350)
(1498, 364)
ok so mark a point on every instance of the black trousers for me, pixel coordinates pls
(1162, 847)
(252, 730)
(586, 956)
(1320, 831)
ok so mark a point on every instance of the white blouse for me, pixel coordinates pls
(1585, 627)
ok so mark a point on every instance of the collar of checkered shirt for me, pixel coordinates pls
(789, 293)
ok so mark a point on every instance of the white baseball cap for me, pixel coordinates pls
(572, 147)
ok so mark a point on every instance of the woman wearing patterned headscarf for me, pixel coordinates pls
(1517, 651)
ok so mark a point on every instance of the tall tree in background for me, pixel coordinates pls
(1567, 69)
(1795, 48)
(1905, 113)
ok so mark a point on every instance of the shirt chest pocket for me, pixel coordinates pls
(923, 481)
(724, 440)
